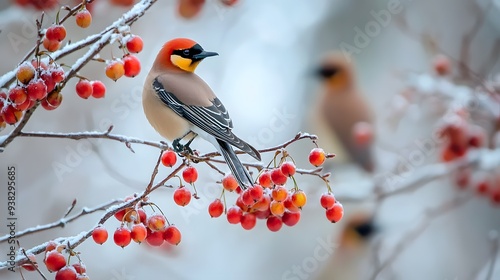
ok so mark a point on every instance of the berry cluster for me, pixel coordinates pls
(138, 226)
(267, 199)
(36, 81)
(191, 8)
(129, 65)
(56, 261)
(460, 136)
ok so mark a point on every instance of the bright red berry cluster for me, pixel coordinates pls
(36, 81)
(56, 261)
(459, 137)
(129, 65)
(268, 199)
(136, 225)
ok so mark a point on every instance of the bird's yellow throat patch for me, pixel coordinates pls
(185, 64)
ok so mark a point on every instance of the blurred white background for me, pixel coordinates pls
(268, 50)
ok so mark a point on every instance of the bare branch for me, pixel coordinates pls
(63, 221)
(96, 135)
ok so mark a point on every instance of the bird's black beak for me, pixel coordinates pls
(203, 55)
(325, 73)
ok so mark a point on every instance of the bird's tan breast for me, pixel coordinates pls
(165, 121)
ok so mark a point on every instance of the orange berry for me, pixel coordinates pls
(279, 193)
(299, 199)
(138, 233)
(51, 45)
(229, 183)
(115, 70)
(317, 157)
(25, 73)
(277, 208)
(83, 18)
(156, 222)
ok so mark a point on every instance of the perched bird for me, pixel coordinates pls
(177, 102)
(344, 110)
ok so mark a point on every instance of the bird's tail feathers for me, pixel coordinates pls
(239, 171)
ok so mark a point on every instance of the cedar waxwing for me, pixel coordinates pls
(178, 102)
(344, 110)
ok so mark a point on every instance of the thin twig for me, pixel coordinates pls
(494, 254)
(429, 216)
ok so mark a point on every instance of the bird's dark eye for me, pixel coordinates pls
(186, 52)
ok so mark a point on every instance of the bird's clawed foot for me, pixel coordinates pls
(179, 148)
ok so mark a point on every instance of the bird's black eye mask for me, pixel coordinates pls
(189, 53)
(326, 72)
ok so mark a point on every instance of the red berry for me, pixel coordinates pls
(169, 158)
(79, 268)
(28, 104)
(115, 70)
(98, 89)
(66, 273)
(289, 205)
(482, 188)
(190, 8)
(263, 203)
(234, 214)
(142, 216)
(156, 222)
(52, 101)
(138, 233)
(155, 238)
(58, 75)
(36, 89)
(262, 214)
(190, 174)
(335, 213)
(265, 179)
(229, 182)
(120, 214)
(51, 45)
(274, 223)
(442, 65)
(132, 66)
(56, 33)
(100, 234)
(134, 44)
(172, 235)
(290, 218)
(246, 198)
(18, 95)
(495, 196)
(288, 169)
(25, 72)
(279, 193)
(256, 192)
(84, 89)
(51, 245)
(83, 18)
(216, 208)
(317, 157)
(362, 133)
(278, 177)
(124, 3)
(30, 266)
(54, 261)
(327, 200)
(48, 81)
(182, 196)
(248, 221)
(10, 114)
(122, 236)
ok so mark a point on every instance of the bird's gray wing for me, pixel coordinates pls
(213, 119)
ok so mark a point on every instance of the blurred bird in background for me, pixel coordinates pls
(342, 109)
